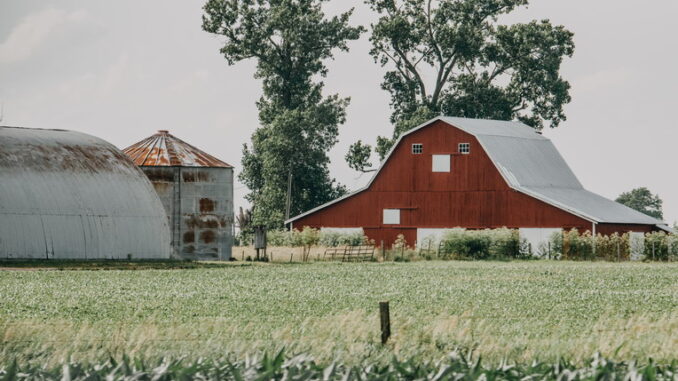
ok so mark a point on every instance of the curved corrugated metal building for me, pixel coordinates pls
(196, 189)
(68, 195)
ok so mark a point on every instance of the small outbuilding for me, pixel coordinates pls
(474, 174)
(68, 195)
(196, 190)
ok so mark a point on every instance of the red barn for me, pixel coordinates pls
(474, 174)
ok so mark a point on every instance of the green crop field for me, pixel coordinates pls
(515, 310)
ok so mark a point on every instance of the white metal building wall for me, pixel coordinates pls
(67, 195)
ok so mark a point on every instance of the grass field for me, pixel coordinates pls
(514, 310)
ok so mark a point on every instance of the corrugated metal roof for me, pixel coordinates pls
(166, 150)
(65, 194)
(531, 164)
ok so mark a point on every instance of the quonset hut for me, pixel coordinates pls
(197, 191)
(68, 195)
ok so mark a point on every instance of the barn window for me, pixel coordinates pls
(417, 148)
(441, 163)
(465, 148)
(391, 216)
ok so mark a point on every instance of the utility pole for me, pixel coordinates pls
(288, 204)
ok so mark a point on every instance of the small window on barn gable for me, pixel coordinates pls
(417, 148)
(391, 216)
(441, 163)
(465, 148)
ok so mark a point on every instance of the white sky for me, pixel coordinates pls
(123, 69)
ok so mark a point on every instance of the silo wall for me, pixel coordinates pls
(199, 206)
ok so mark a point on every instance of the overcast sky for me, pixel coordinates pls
(123, 69)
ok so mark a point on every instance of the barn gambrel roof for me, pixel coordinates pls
(531, 164)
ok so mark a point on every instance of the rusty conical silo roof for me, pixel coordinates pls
(166, 150)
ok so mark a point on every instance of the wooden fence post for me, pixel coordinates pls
(383, 250)
(385, 319)
(653, 250)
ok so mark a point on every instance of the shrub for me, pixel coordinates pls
(311, 237)
(572, 245)
(660, 246)
(482, 244)
(334, 238)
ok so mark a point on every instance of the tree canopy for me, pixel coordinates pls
(452, 57)
(642, 200)
(290, 40)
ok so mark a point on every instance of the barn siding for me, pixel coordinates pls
(473, 195)
(607, 229)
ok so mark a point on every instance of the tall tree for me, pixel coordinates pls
(452, 57)
(642, 200)
(290, 40)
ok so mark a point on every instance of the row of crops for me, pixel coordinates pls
(280, 367)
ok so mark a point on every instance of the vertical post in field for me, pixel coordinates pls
(653, 250)
(385, 319)
(383, 250)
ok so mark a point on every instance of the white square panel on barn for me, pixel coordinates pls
(391, 216)
(441, 163)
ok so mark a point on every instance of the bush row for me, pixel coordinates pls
(573, 245)
(308, 237)
(498, 244)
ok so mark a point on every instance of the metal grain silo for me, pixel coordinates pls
(68, 195)
(197, 191)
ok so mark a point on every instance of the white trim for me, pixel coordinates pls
(391, 217)
(441, 163)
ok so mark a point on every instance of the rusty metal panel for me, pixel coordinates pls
(199, 205)
(166, 150)
(70, 195)
(206, 218)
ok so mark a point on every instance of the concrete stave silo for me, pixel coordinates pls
(68, 195)
(197, 191)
